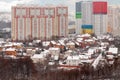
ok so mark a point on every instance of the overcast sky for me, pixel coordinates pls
(5, 5)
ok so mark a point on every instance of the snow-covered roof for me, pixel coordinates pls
(61, 42)
(29, 49)
(64, 39)
(69, 51)
(73, 58)
(100, 37)
(8, 45)
(77, 43)
(83, 57)
(91, 51)
(36, 48)
(58, 44)
(86, 60)
(104, 43)
(95, 38)
(103, 36)
(102, 48)
(10, 49)
(22, 53)
(17, 44)
(52, 48)
(110, 56)
(45, 43)
(30, 44)
(36, 41)
(13, 43)
(53, 42)
(70, 43)
(56, 57)
(86, 35)
(37, 56)
(11, 56)
(78, 36)
(111, 39)
(107, 36)
(79, 39)
(45, 52)
(113, 50)
(89, 40)
(51, 63)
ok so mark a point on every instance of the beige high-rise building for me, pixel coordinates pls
(114, 19)
(32, 21)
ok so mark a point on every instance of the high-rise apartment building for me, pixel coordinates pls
(100, 17)
(92, 17)
(114, 19)
(30, 22)
(78, 17)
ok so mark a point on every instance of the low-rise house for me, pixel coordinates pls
(36, 41)
(73, 60)
(110, 59)
(79, 39)
(76, 44)
(104, 44)
(10, 51)
(38, 58)
(56, 58)
(52, 43)
(68, 53)
(91, 51)
(70, 45)
(17, 45)
(84, 36)
(54, 51)
(114, 50)
(45, 53)
(58, 45)
(102, 48)
(33, 51)
(62, 42)
(90, 42)
(8, 45)
(70, 63)
(84, 56)
(29, 52)
(46, 43)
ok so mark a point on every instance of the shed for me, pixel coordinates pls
(73, 60)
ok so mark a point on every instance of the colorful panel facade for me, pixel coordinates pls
(87, 26)
(100, 7)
